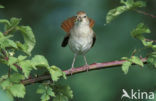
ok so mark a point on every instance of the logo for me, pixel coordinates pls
(138, 94)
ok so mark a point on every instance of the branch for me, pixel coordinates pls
(145, 13)
(7, 59)
(95, 66)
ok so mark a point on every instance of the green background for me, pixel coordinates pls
(113, 42)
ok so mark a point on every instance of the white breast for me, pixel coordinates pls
(81, 39)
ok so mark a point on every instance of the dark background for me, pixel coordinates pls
(113, 42)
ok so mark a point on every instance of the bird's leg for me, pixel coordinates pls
(86, 64)
(72, 67)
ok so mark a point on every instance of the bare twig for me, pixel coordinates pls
(145, 13)
(9, 30)
(95, 66)
(150, 40)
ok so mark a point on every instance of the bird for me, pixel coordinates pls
(80, 36)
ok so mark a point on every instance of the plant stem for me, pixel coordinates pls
(95, 66)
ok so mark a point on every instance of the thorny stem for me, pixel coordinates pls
(95, 66)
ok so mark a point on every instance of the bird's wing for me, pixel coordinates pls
(94, 39)
(68, 24)
(65, 40)
(91, 22)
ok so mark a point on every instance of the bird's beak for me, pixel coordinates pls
(79, 19)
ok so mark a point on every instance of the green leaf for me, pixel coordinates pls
(5, 84)
(3, 77)
(139, 30)
(55, 73)
(1, 6)
(13, 85)
(5, 42)
(17, 90)
(112, 14)
(11, 62)
(137, 61)
(16, 78)
(60, 98)
(127, 5)
(29, 39)
(63, 93)
(14, 21)
(4, 21)
(39, 61)
(45, 97)
(10, 26)
(21, 58)
(125, 66)
(147, 44)
(152, 59)
(26, 67)
(46, 92)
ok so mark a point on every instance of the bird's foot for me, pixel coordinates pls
(71, 70)
(86, 67)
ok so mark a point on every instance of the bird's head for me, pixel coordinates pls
(81, 18)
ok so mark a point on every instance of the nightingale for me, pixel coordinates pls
(80, 36)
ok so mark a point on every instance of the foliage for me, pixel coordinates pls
(9, 55)
(16, 55)
(127, 5)
(137, 33)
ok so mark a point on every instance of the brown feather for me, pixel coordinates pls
(91, 22)
(68, 24)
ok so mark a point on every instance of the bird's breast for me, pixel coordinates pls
(81, 39)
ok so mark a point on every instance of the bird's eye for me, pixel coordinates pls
(85, 16)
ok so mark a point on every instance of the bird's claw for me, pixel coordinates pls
(71, 70)
(86, 67)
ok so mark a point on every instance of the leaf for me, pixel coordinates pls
(137, 61)
(11, 62)
(14, 21)
(16, 78)
(147, 44)
(46, 92)
(127, 5)
(45, 97)
(26, 67)
(17, 90)
(139, 30)
(39, 61)
(29, 39)
(21, 58)
(5, 42)
(112, 14)
(63, 93)
(125, 66)
(13, 85)
(55, 73)
(1, 6)
(4, 21)
(60, 98)
(3, 77)
(11, 26)
(152, 59)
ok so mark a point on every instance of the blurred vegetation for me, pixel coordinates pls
(113, 42)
